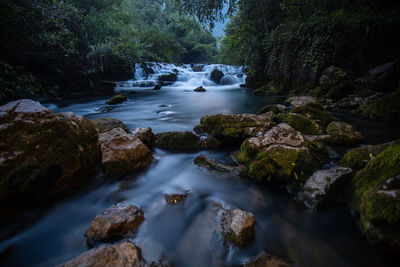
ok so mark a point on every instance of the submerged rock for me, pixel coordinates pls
(207, 162)
(297, 101)
(216, 75)
(200, 89)
(172, 199)
(122, 152)
(343, 133)
(267, 260)
(118, 99)
(118, 221)
(184, 140)
(42, 152)
(321, 184)
(157, 87)
(145, 135)
(237, 226)
(122, 254)
(107, 124)
(301, 123)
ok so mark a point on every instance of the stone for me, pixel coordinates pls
(320, 185)
(209, 163)
(209, 142)
(274, 108)
(267, 260)
(343, 133)
(171, 77)
(216, 76)
(301, 123)
(315, 112)
(124, 254)
(42, 152)
(177, 140)
(118, 99)
(326, 138)
(381, 78)
(118, 221)
(297, 101)
(106, 124)
(173, 199)
(122, 152)
(200, 89)
(238, 226)
(157, 87)
(145, 135)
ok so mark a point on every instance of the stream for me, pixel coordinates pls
(181, 233)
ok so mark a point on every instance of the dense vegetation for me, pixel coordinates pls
(72, 45)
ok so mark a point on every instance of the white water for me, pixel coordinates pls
(188, 79)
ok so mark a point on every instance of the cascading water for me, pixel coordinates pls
(188, 76)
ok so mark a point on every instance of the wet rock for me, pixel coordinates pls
(122, 254)
(184, 140)
(118, 99)
(274, 108)
(107, 124)
(42, 152)
(172, 199)
(145, 135)
(207, 162)
(122, 152)
(384, 77)
(242, 85)
(209, 142)
(321, 184)
(118, 221)
(343, 133)
(157, 87)
(319, 138)
(172, 77)
(216, 75)
(268, 89)
(236, 128)
(237, 226)
(315, 112)
(301, 123)
(297, 101)
(267, 260)
(200, 89)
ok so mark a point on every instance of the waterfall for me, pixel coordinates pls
(182, 76)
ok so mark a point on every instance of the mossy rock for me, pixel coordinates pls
(200, 89)
(334, 84)
(268, 89)
(118, 99)
(358, 158)
(178, 140)
(172, 77)
(376, 197)
(107, 124)
(216, 75)
(343, 133)
(301, 123)
(385, 108)
(274, 108)
(315, 112)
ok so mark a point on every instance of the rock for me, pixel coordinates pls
(209, 142)
(376, 198)
(267, 260)
(274, 108)
(172, 77)
(343, 133)
(301, 123)
(200, 89)
(236, 128)
(297, 101)
(319, 138)
(118, 99)
(320, 185)
(42, 153)
(384, 108)
(107, 124)
(184, 140)
(121, 254)
(172, 199)
(334, 84)
(117, 222)
(157, 87)
(242, 85)
(122, 152)
(145, 135)
(237, 226)
(331, 73)
(358, 158)
(268, 89)
(216, 75)
(315, 112)
(207, 162)
(381, 78)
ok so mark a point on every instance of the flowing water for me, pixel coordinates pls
(182, 233)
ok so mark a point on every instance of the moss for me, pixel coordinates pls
(268, 89)
(263, 167)
(178, 140)
(385, 108)
(314, 111)
(269, 108)
(200, 89)
(358, 158)
(301, 123)
(343, 133)
(172, 77)
(117, 99)
(379, 212)
(230, 237)
(246, 153)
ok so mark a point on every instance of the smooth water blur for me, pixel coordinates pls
(183, 233)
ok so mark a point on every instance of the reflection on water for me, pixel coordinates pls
(183, 233)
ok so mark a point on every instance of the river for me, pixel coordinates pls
(180, 233)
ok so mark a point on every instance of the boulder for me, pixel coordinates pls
(216, 75)
(236, 128)
(267, 260)
(118, 221)
(122, 152)
(121, 254)
(171, 77)
(145, 135)
(107, 124)
(209, 142)
(184, 140)
(118, 99)
(297, 101)
(381, 78)
(209, 163)
(301, 123)
(42, 152)
(237, 226)
(343, 133)
(200, 89)
(315, 112)
(268, 89)
(274, 108)
(326, 138)
(376, 198)
(157, 87)
(321, 184)
(242, 85)
(172, 199)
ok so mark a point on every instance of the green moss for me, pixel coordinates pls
(117, 99)
(268, 89)
(314, 111)
(269, 108)
(263, 167)
(358, 158)
(385, 108)
(178, 140)
(230, 237)
(343, 133)
(301, 123)
(246, 153)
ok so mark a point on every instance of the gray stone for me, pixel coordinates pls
(238, 226)
(297, 101)
(207, 162)
(107, 124)
(267, 260)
